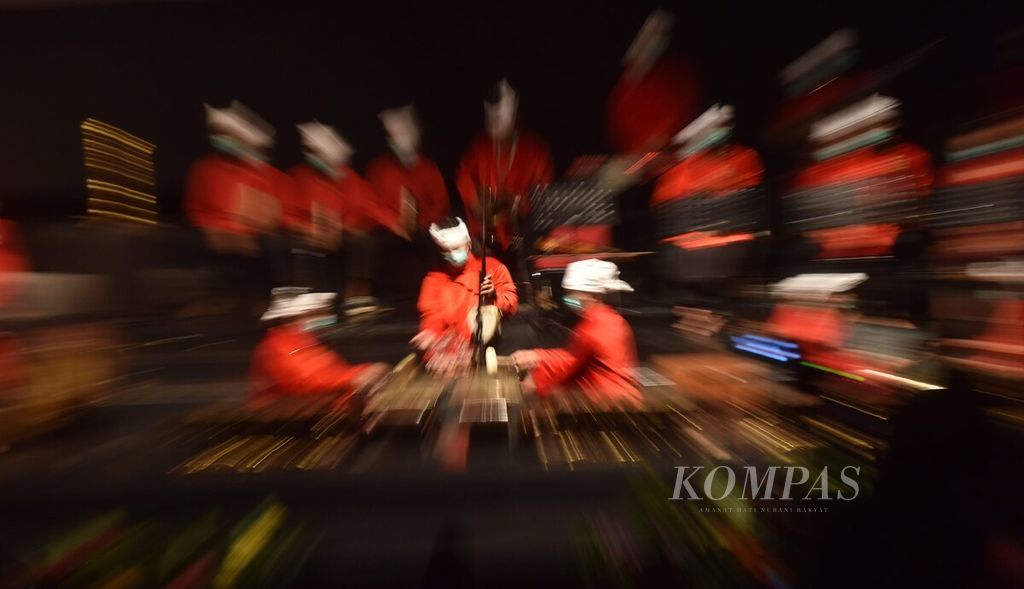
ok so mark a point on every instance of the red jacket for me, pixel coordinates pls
(643, 114)
(291, 362)
(235, 196)
(897, 172)
(599, 360)
(523, 166)
(388, 175)
(719, 171)
(347, 197)
(446, 297)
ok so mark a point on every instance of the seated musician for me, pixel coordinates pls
(292, 362)
(450, 295)
(601, 354)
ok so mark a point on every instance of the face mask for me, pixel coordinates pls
(457, 257)
(321, 166)
(405, 149)
(230, 146)
(319, 323)
(572, 303)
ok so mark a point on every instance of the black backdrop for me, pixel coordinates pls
(147, 67)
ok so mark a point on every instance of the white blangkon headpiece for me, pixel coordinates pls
(241, 123)
(451, 238)
(402, 128)
(598, 276)
(818, 286)
(500, 116)
(873, 110)
(325, 142)
(719, 115)
(292, 301)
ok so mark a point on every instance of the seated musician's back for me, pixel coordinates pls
(601, 355)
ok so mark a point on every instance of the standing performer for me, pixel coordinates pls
(406, 180)
(412, 189)
(292, 362)
(449, 296)
(601, 354)
(504, 164)
(658, 92)
(233, 196)
(331, 197)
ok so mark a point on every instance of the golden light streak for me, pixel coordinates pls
(118, 189)
(93, 199)
(120, 216)
(117, 135)
(140, 179)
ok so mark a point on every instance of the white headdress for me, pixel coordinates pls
(452, 237)
(240, 122)
(594, 275)
(291, 301)
(325, 142)
(818, 286)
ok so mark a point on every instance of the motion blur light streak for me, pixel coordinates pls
(118, 163)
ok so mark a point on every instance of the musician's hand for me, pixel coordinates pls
(487, 287)
(526, 359)
(424, 340)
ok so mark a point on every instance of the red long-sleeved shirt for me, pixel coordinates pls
(447, 297)
(599, 360)
(643, 113)
(388, 176)
(720, 171)
(291, 362)
(347, 196)
(515, 171)
(219, 191)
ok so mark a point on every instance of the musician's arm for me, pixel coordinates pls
(506, 298)
(558, 367)
(313, 371)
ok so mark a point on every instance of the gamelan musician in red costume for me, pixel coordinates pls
(601, 355)
(408, 182)
(657, 93)
(506, 163)
(291, 361)
(449, 296)
(412, 190)
(335, 208)
(234, 197)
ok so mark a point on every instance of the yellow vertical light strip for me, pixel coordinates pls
(119, 173)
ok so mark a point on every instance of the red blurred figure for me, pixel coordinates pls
(291, 361)
(601, 354)
(657, 93)
(332, 200)
(233, 195)
(448, 297)
(505, 162)
(408, 183)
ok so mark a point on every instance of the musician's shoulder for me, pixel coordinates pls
(494, 263)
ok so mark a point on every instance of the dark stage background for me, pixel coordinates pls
(147, 67)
